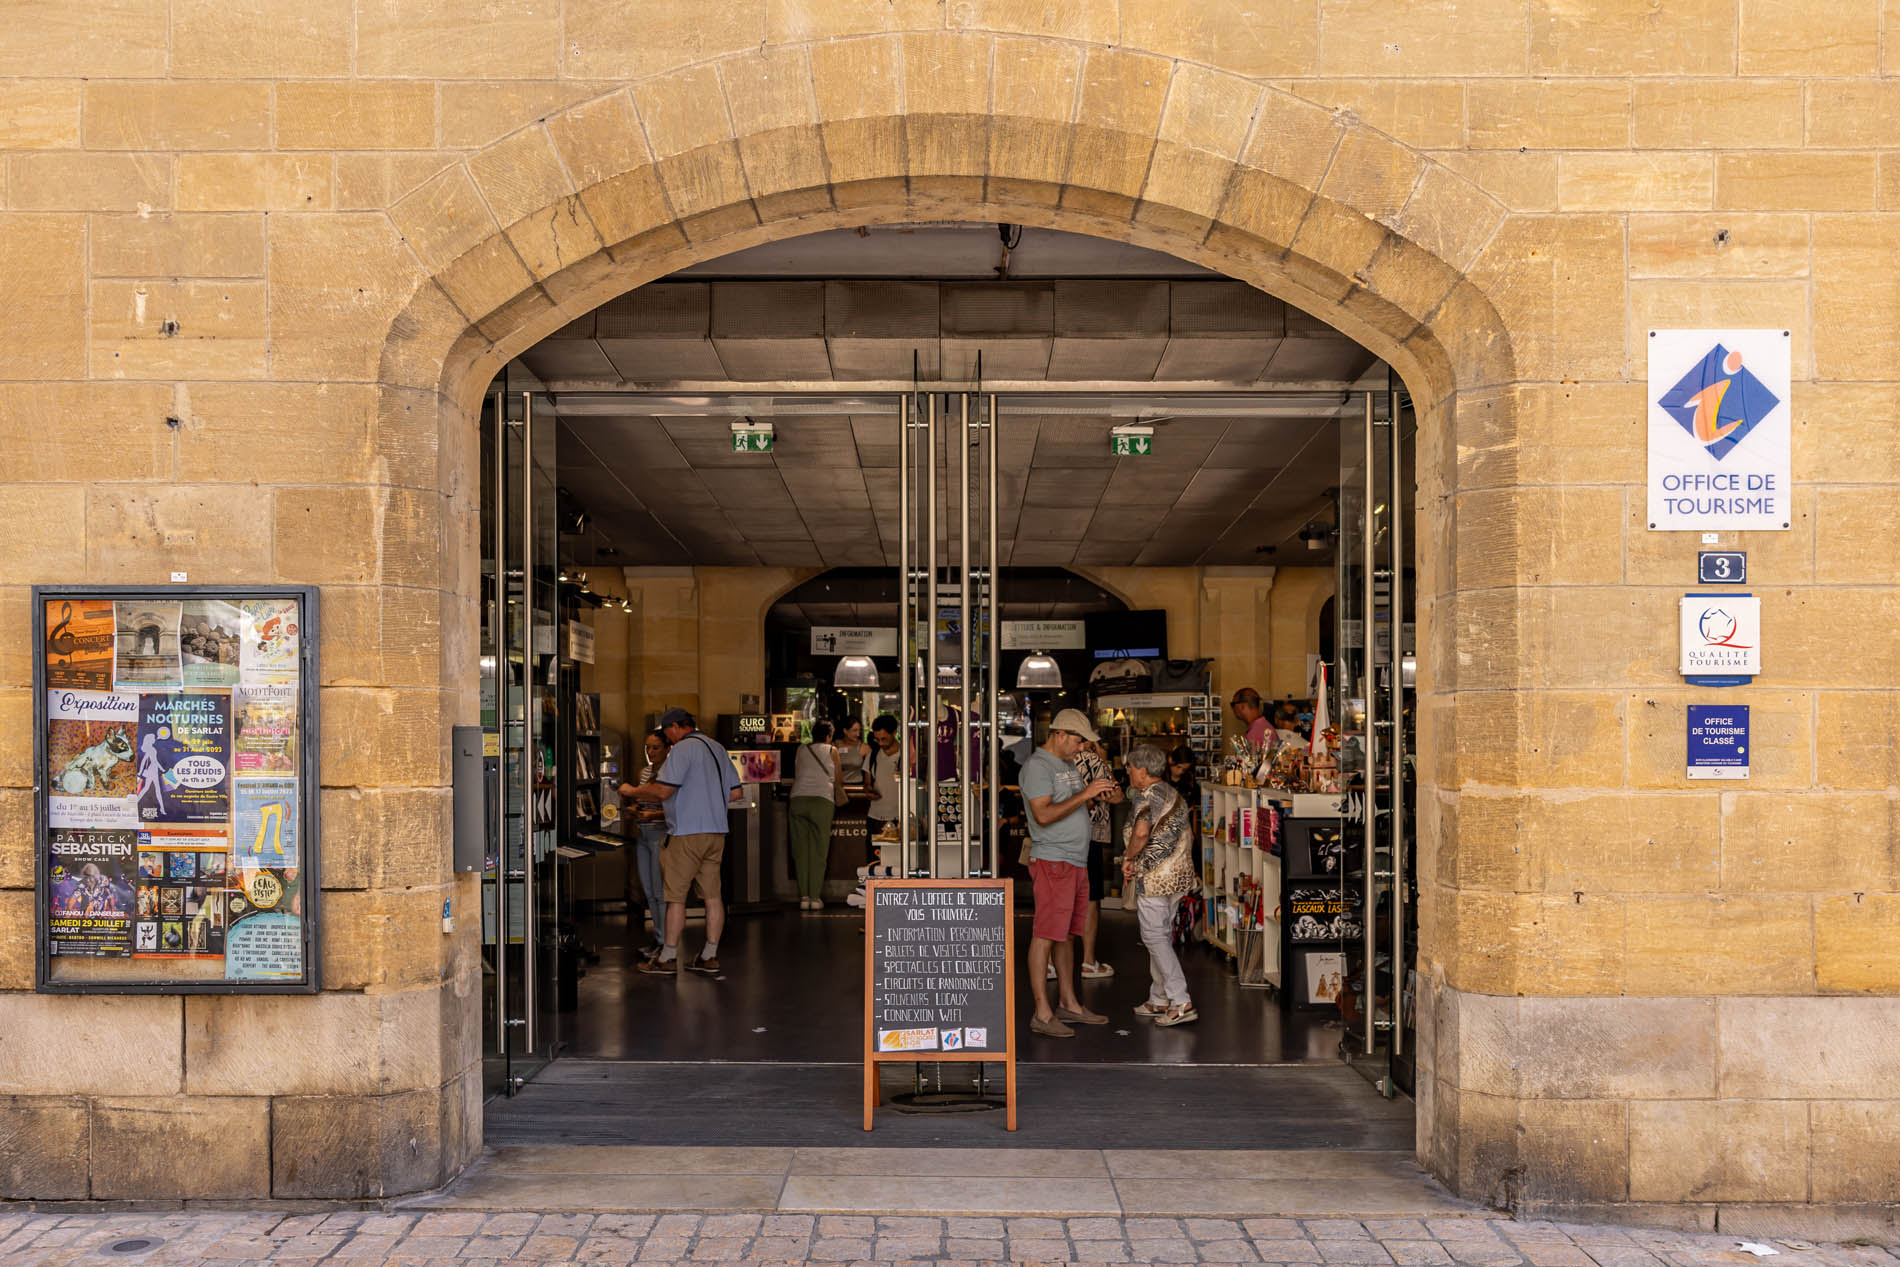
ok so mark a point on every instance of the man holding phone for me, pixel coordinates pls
(1056, 796)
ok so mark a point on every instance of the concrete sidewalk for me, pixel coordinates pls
(477, 1239)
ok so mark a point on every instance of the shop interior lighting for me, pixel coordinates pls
(855, 672)
(1039, 672)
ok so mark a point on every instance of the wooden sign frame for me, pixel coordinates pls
(873, 1094)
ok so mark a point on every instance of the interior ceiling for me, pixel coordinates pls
(1228, 483)
(868, 598)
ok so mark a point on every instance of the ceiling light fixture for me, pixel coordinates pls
(1039, 672)
(855, 672)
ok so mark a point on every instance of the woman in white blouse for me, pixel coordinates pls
(816, 784)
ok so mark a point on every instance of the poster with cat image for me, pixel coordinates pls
(91, 750)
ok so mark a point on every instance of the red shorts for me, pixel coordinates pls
(1062, 899)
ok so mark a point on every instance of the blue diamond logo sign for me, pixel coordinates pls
(1719, 402)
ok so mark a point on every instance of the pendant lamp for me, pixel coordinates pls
(1039, 672)
(855, 672)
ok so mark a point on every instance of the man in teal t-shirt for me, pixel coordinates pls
(1056, 797)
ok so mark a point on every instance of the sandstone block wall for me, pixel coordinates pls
(309, 234)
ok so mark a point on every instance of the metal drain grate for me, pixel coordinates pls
(134, 1245)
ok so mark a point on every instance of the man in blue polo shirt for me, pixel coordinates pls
(695, 785)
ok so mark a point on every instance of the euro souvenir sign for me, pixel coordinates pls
(1719, 430)
(176, 814)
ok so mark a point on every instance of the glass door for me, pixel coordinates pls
(520, 667)
(1374, 698)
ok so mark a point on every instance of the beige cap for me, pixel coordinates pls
(1075, 721)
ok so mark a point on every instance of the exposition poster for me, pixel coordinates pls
(93, 879)
(146, 641)
(264, 728)
(184, 755)
(208, 642)
(264, 833)
(263, 940)
(271, 640)
(79, 644)
(90, 750)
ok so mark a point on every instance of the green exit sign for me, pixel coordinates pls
(1131, 446)
(752, 442)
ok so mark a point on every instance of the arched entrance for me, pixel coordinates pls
(1306, 204)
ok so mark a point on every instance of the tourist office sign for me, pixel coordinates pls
(1719, 431)
(938, 984)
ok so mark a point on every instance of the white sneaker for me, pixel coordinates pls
(1096, 971)
(856, 899)
(1052, 972)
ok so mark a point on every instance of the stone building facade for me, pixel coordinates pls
(258, 262)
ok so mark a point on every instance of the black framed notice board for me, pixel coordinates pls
(175, 788)
(939, 983)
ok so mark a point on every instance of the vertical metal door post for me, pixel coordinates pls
(993, 821)
(967, 611)
(930, 630)
(1395, 499)
(906, 640)
(499, 618)
(1369, 825)
(531, 754)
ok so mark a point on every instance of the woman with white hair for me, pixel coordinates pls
(1159, 868)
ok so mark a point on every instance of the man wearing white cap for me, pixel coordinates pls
(1056, 795)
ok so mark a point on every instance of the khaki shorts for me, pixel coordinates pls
(687, 860)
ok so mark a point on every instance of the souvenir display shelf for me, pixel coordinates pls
(1241, 879)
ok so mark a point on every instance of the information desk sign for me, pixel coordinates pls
(1718, 741)
(938, 984)
(174, 749)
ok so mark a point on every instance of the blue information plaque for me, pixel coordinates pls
(1718, 741)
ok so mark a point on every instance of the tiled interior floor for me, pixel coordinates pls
(792, 990)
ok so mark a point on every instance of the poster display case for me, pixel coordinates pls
(175, 741)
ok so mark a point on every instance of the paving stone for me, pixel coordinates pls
(1397, 1230)
(847, 1225)
(370, 1247)
(308, 1247)
(720, 1249)
(1555, 1254)
(1038, 1229)
(1274, 1251)
(1461, 1229)
(1038, 1250)
(1353, 1252)
(787, 1225)
(622, 1224)
(1095, 1229)
(1162, 1250)
(1213, 1229)
(907, 1247)
(606, 1249)
(1145, 1228)
(1416, 1253)
(677, 1225)
(777, 1248)
(450, 1223)
(841, 1249)
(431, 1246)
(663, 1248)
(1228, 1252)
(1336, 1229)
(1273, 1229)
(986, 1229)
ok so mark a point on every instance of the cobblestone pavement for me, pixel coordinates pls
(467, 1239)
